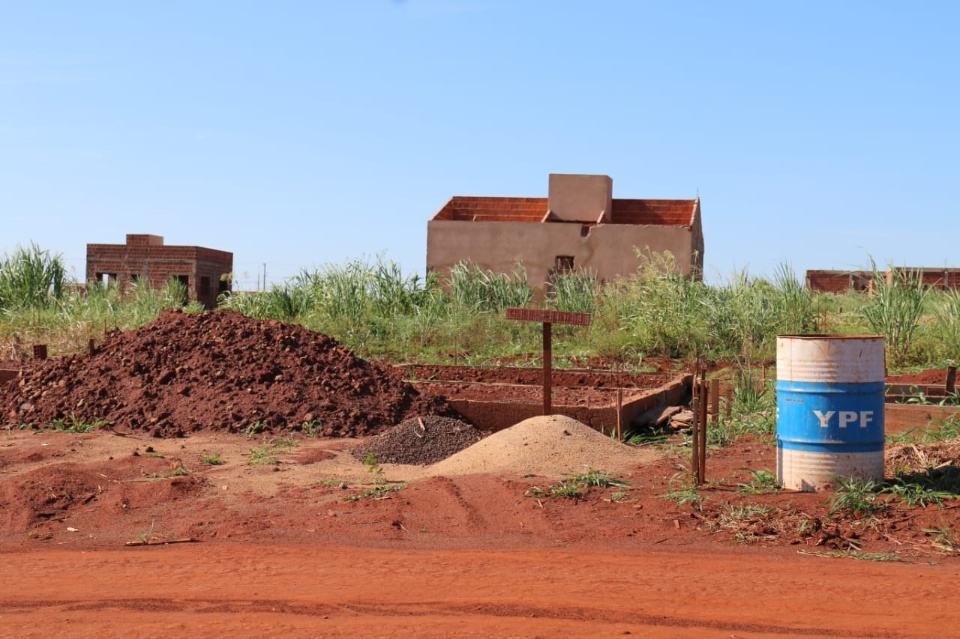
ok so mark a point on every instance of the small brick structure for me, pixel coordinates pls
(146, 258)
(823, 281)
(936, 277)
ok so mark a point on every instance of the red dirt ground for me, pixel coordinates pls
(187, 372)
(525, 385)
(121, 533)
(280, 549)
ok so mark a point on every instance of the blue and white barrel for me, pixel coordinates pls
(829, 410)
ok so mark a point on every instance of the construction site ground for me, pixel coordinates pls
(104, 536)
(145, 527)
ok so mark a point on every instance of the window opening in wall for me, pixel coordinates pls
(584, 230)
(106, 279)
(204, 285)
(563, 264)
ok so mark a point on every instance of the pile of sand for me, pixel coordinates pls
(549, 446)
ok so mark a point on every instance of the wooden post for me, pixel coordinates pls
(715, 398)
(695, 441)
(547, 368)
(951, 384)
(548, 318)
(619, 414)
(704, 398)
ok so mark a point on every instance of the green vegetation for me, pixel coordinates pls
(372, 307)
(762, 481)
(937, 430)
(31, 279)
(72, 424)
(854, 497)
(895, 309)
(741, 512)
(381, 487)
(944, 539)
(213, 460)
(255, 428)
(311, 428)
(752, 411)
(269, 451)
(577, 485)
(685, 492)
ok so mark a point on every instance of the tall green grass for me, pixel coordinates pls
(374, 308)
(79, 315)
(31, 278)
(473, 289)
(578, 291)
(895, 308)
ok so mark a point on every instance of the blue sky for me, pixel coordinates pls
(295, 134)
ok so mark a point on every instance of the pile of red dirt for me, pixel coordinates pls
(221, 371)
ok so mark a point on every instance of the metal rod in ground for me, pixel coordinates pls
(695, 441)
(547, 372)
(704, 397)
(619, 414)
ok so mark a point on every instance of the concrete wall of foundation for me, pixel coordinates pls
(499, 414)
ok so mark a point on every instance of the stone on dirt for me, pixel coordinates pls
(657, 416)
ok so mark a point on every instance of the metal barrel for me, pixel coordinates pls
(829, 410)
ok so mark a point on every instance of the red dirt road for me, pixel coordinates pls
(292, 591)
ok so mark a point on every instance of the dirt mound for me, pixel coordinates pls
(551, 446)
(904, 459)
(223, 371)
(419, 441)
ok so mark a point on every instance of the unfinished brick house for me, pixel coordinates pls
(145, 258)
(838, 281)
(842, 281)
(578, 225)
(937, 277)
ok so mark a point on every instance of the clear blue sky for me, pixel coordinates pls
(296, 134)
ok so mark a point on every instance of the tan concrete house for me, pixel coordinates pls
(578, 225)
(146, 258)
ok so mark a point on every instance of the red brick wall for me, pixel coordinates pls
(837, 281)
(157, 264)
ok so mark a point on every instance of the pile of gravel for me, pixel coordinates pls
(419, 441)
